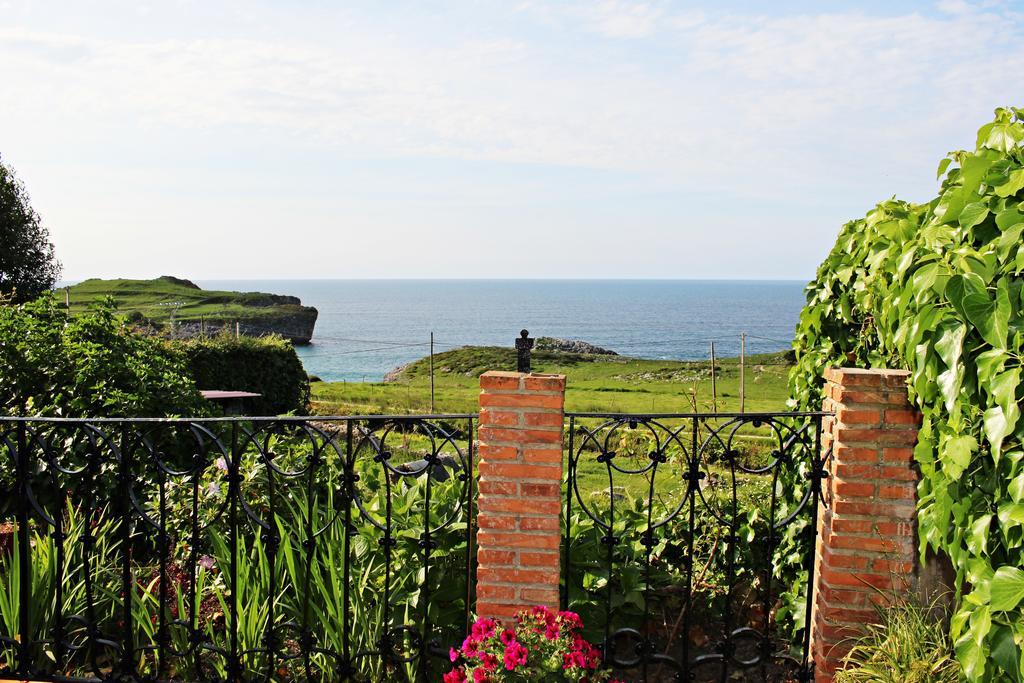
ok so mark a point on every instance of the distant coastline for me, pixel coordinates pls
(366, 328)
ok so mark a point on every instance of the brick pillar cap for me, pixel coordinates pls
(510, 373)
(503, 373)
(837, 374)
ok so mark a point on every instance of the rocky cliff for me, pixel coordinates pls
(179, 308)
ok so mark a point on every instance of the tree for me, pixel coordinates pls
(28, 266)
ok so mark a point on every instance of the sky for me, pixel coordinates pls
(486, 139)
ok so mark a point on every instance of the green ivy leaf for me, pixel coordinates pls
(1016, 489)
(1001, 136)
(1009, 240)
(950, 344)
(1013, 186)
(977, 539)
(1005, 653)
(971, 657)
(943, 165)
(1007, 589)
(1009, 217)
(973, 214)
(970, 297)
(956, 453)
(1004, 391)
(1011, 514)
(989, 364)
(997, 426)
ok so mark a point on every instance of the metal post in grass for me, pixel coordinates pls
(714, 384)
(23, 471)
(743, 372)
(431, 372)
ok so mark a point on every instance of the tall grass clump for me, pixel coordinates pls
(908, 645)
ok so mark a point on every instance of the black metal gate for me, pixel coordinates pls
(689, 542)
(235, 549)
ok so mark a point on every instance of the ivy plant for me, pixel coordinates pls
(935, 289)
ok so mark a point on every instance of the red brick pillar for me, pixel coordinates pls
(866, 537)
(520, 449)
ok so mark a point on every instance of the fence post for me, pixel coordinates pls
(520, 450)
(866, 548)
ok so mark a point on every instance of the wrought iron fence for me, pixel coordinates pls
(234, 548)
(689, 542)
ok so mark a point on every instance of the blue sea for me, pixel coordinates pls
(368, 327)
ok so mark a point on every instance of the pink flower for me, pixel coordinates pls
(541, 612)
(574, 659)
(551, 632)
(483, 628)
(488, 661)
(507, 636)
(455, 676)
(480, 676)
(469, 647)
(593, 656)
(571, 619)
(515, 654)
(453, 654)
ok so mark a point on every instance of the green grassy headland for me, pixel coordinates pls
(154, 304)
(159, 298)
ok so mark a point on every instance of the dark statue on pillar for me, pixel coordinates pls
(523, 346)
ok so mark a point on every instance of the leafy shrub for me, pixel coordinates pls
(906, 646)
(539, 643)
(52, 364)
(263, 365)
(935, 289)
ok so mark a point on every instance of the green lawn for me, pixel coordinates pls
(595, 384)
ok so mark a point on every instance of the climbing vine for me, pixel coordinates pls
(936, 289)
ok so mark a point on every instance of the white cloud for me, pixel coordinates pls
(734, 81)
(955, 7)
(760, 108)
(624, 19)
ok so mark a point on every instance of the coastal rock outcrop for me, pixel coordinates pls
(296, 326)
(571, 346)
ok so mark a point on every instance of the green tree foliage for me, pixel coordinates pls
(264, 365)
(28, 266)
(92, 365)
(935, 289)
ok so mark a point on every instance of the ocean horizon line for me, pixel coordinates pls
(64, 282)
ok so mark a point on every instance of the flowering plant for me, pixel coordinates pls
(540, 642)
